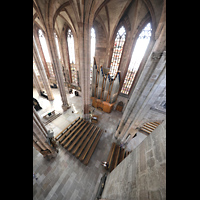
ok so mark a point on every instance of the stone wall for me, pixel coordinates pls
(142, 175)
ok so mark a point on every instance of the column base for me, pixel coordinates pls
(65, 107)
(86, 117)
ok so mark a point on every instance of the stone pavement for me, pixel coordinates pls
(66, 177)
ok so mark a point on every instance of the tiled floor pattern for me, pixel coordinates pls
(65, 177)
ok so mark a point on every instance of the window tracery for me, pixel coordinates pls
(138, 53)
(117, 50)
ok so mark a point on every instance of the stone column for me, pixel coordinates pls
(144, 84)
(36, 83)
(151, 97)
(39, 137)
(51, 44)
(84, 55)
(42, 72)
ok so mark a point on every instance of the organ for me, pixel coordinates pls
(105, 88)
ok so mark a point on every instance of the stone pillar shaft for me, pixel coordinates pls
(84, 55)
(42, 72)
(36, 83)
(39, 135)
(51, 44)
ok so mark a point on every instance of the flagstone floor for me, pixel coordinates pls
(65, 177)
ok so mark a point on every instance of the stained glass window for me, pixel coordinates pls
(117, 50)
(138, 53)
(46, 52)
(93, 42)
(70, 42)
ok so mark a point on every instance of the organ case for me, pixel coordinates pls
(105, 88)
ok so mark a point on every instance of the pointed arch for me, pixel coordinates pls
(137, 56)
(117, 50)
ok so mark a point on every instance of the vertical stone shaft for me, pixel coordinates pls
(42, 72)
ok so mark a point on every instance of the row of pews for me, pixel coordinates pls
(149, 127)
(115, 156)
(80, 138)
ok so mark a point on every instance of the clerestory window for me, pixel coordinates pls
(45, 52)
(117, 50)
(138, 53)
(70, 42)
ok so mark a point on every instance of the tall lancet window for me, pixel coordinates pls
(117, 50)
(93, 43)
(138, 53)
(70, 42)
(45, 52)
(58, 50)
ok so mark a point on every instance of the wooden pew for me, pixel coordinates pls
(109, 159)
(79, 136)
(89, 144)
(72, 132)
(61, 133)
(76, 133)
(85, 142)
(115, 158)
(121, 155)
(82, 139)
(69, 130)
(87, 158)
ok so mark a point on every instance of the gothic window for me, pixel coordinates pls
(70, 42)
(46, 52)
(93, 42)
(58, 50)
(117, 50)
(35, 69)
(138, 53)
(57, 46)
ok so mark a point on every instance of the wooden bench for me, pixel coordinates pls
(85, 142)
(66, 128)
(72, 132)
(76, 133)
(109, 159)
(115, 158)
(121, 155)
(89, 144)
(81, 140)
(79, 136)
(69, 130)
(92, 148)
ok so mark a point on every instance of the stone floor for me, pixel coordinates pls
(65, 177)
